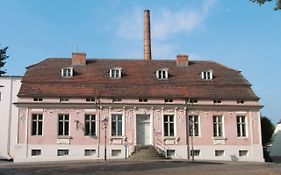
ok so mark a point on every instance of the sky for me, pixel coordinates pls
(239, 34)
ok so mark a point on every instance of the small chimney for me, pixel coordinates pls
(182, 60)
(147, 37)
(78, 59)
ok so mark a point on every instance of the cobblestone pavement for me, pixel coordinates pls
(139, 168)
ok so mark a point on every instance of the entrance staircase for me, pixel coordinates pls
(146, 153)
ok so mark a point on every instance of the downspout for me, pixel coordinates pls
(9, 122)
(99, 113)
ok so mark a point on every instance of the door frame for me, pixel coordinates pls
(150, 127)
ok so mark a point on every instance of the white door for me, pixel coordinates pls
(143, 130)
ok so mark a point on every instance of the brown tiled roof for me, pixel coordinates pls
(138, 80)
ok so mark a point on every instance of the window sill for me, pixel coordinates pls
(170, 138)
(64, 137)
(92, 136)
(219, 138)
(117, 137)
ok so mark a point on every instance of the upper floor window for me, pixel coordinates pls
(162, 74)
(194, 125)
(37, 99)
(169, 125)
(207, 75)
(90, 99)
(116, 100)
(90, 125)
(115, 72)
(37, 124)
(64, 99)
(217, 101)
(240, 102)
(63, 125)
(218, 126)
(67, 72)
(241, 126)
(192, 100)
(143, 100)
(116, 125)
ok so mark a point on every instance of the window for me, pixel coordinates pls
(195, 152)
(169, 125)
(217, 102)
(63, 152)
(171, 153)
(63, 125)
(116, 125)
(207, 75)
(35, 152)
(241, 126)
(169, 100)
(240, 102)
(143, 100)
(194, 125)
(37, 99)
(162, 74)
(90, 99)
(116, 100)
(218, 126)
(193, 100)
(90, 125)
(67, 72)
(243, 153)
(115, 73)
(89, 152)
(64, 99)
(0, 95)
(37, 124)
(115, 152)
(219, 153)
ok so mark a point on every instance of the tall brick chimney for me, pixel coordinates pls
(147, 37)
(78, 59)
(182, 60)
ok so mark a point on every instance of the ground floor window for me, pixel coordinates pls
(35, 152)
(90, 125)
(243, 153)
(63, 126)
(63, 152)
(116, 125)
(171, 153)
(195, 152)
(37, 124)
(115, 152)
(194, 125)
(241, 126)
(90, 152)
(218, 126)
(219, 153)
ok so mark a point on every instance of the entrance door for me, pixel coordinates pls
(143, 130)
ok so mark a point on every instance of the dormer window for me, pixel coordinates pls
(115, 73)
(67, 72)
(207, 75)
(162, 74)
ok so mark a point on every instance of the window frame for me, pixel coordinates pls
(115, 73)
(207, 75)
(169, 124)
(115, 122)
(92, 123)
(67, 72)
(162, 74)
(65, 150)
(37, 121)
(63, 120)
(240, 125)
(218, 124)
(195, 124)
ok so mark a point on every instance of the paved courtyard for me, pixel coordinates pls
(139, 168)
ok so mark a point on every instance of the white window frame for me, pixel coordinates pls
(223, 153)
(115, 73)
(243, 150)
(37, 121)
(36, 149)
(162, 74)
(192, 129)
(207, 75)
(217, 124)
(116, 129)
(64, 124)
(67, 72)
(240, 125)
(169, 122)
(62, 149)
(91, 122)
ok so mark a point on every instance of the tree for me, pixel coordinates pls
(277, 6)
(267, 129)
(3, 57)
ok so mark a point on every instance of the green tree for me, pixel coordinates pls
(267, 129)
(277, 6)
(3, 57)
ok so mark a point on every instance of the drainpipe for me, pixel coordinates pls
(9, 122)
(98, 108)
(187, 109)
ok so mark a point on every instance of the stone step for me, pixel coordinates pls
(146, 152)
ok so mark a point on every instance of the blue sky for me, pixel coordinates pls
(238, 34)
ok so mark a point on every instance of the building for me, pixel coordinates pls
(81, 108)
(275, 150)
(9, 88)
